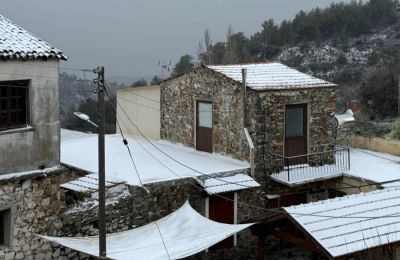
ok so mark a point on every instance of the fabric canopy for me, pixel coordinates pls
(185, 233)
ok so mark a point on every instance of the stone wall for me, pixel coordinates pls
(178, 101)
(131, 207)
(36, 203)
(267, 120)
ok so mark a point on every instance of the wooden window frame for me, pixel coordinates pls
(22, 104)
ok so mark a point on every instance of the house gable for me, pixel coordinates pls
(178, 110)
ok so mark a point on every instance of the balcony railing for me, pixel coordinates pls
(309, 167)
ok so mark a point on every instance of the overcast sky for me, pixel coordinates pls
(128, 37)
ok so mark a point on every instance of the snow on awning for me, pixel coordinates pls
(89, 183)
(335, 226)
(214, 185)
(185, 233)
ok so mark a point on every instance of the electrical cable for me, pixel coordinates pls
(250, 205)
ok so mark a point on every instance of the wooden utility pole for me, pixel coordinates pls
(102, 177)
(398, 100)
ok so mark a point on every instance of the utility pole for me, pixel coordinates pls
(102, 177)
(398, 100)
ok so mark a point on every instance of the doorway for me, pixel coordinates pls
(296, 133)
(204, 126)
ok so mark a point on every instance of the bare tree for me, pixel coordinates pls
(230, 50)
(208, 44)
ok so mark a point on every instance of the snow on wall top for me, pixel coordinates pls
(17, 43)
(272, 75)
(80, 151)
(227, 184)
(343, 236)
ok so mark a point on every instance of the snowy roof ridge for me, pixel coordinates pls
(18, 43)
(352, 223)
(343, 198)
(270, 76)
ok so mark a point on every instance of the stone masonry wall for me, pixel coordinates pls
(267, 119)
(131, 207)
(36, 204)
(40, 206)
(178, 101)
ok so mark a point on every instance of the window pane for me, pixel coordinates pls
(13, 104)
(294, 122)
(3, 91)
(3, 104)
(3, 119)
(205, 114)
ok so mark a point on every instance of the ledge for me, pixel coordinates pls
(17, 130)
(10, 177)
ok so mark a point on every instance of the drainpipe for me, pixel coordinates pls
(244, 75)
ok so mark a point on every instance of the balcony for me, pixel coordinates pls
(312, 167)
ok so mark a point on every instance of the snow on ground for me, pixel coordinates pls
(374, 166)
(80, 150)
(364, 164)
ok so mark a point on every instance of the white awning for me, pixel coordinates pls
(353, 223)
(185, 233)
(89, 183)
(237, 182)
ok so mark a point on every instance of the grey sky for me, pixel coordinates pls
(129, 36)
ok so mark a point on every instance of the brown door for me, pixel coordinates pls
(296, 132)
(221, 210)
(204, 126)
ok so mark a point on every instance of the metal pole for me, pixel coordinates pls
(244, 79)
(102, 177)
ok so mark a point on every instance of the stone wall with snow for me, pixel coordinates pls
(36, 203)
(131, 207)
(178, 97)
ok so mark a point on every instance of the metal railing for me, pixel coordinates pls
(312, 165)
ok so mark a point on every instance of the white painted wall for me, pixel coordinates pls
(142, 105)
(37, 145)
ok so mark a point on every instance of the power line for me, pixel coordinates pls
(162, 239)
(243, 203)
(372, 154)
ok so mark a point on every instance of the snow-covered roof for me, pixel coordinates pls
(270, 76)
(80, 150)
(17, 43)
(343, 236)
(227, 184)
(185, 233)
(89, 183)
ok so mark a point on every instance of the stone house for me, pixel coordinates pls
(288, 116)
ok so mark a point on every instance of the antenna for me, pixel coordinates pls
(164, 66)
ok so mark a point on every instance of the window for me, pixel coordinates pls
(294, 121)
(5, 228)
(14, 104)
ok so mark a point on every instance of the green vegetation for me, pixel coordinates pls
(395, 133)
(337, 22)
(184, 64)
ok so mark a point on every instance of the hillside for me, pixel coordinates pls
(355, 45)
